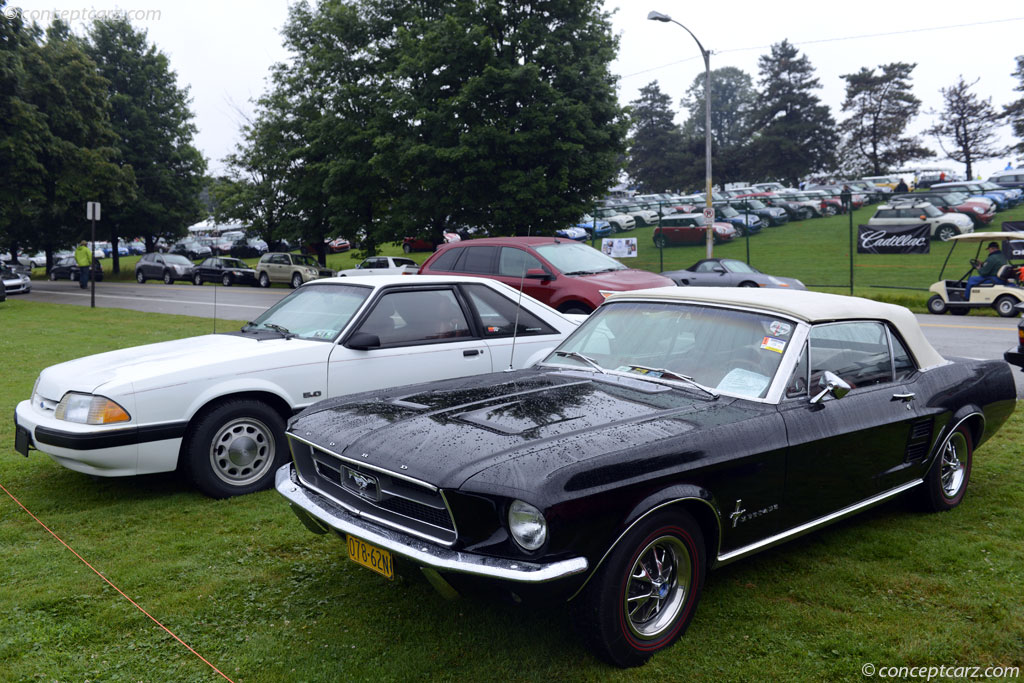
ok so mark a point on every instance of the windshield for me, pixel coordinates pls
(303, 260)
(313, 311)
(233, 263)
(573, 258)
(728, 211)
(930, 210)
(734, 352)
(755, 204)
(176, 259)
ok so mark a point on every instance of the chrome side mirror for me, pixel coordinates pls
(832, 386)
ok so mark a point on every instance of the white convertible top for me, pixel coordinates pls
(810, 307)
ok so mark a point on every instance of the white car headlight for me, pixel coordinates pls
(89, 409)
(527, 524)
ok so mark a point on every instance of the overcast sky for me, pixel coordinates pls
(222, 51)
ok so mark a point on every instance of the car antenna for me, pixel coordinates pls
(519, 304)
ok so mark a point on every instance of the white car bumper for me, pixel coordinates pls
(98, 450)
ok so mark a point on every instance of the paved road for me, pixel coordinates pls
(206, 301)
(971, 336)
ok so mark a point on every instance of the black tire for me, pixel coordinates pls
(748, 283)
(946, 482)
(168, 278)
(53, 276)
(936, 305)
(1005, 306)
(660, 241)
(226, 280)
(264, 279)
(296, 281)
(945, 231)
(235, 448)
(574, 308)
(197, 279)
(407, 249)
(140, 277)
(671, 541)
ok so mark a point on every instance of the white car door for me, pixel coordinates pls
(424, 334)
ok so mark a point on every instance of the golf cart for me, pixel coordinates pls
(948, 295)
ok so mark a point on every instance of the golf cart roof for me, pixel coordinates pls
(987, 236)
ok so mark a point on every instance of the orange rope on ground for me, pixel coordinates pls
(137, 606)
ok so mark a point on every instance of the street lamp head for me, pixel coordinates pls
(658, 16)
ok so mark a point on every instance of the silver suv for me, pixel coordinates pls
(943, 225)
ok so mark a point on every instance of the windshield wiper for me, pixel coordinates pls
(282, 330)
(586, 359)
(581, 272)
(663, 373)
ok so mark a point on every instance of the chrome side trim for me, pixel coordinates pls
(328, 513)
(637, 521)
(795, 532)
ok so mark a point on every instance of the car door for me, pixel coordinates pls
(513, 333)
(843, 451)
(425, 334)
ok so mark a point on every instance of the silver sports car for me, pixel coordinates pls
(727, 272)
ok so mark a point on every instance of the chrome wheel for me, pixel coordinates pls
(953, 473)
(242, 451)
(657, 587)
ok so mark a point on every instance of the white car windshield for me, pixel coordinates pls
(313, 311)
(573, 258)
(728, 351)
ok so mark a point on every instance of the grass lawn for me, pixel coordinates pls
(250, 589)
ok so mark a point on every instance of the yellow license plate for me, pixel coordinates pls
(371, 557)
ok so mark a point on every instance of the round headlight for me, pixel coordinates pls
(527, 525)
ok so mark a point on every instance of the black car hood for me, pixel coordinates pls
(446, 432)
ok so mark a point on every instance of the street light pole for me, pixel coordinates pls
(706, 54)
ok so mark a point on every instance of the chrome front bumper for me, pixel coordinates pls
(320, 513)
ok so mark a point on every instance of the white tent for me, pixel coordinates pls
(211, 227)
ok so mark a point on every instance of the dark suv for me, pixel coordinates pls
(566, 275)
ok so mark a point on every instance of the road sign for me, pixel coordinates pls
(709, 213)
(92, 211)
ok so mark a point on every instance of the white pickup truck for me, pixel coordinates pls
(383, 265)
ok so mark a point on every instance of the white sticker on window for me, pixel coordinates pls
(773, 344)
(780, 329)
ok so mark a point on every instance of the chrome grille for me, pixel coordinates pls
(384, 497)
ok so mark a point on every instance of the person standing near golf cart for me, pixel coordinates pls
(987, 270)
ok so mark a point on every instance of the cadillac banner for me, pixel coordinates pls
(1013, 250)
(893, 239)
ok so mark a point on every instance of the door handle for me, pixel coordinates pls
(472, 352)
(906, 398)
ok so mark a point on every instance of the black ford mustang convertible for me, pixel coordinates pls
(674, 431)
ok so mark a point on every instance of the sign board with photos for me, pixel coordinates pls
(893, 239)
(619, 247)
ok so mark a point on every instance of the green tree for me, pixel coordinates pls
(75, 160)
(1014, 111)
(969, 124)
(151, 117)
(792, 133)
(880, 105)
(732, 102)
(656, 150)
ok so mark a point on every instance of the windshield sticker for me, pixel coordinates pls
(780, 329)
(773, 344)
(323, 334)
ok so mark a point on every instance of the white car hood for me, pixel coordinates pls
(153, 366)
